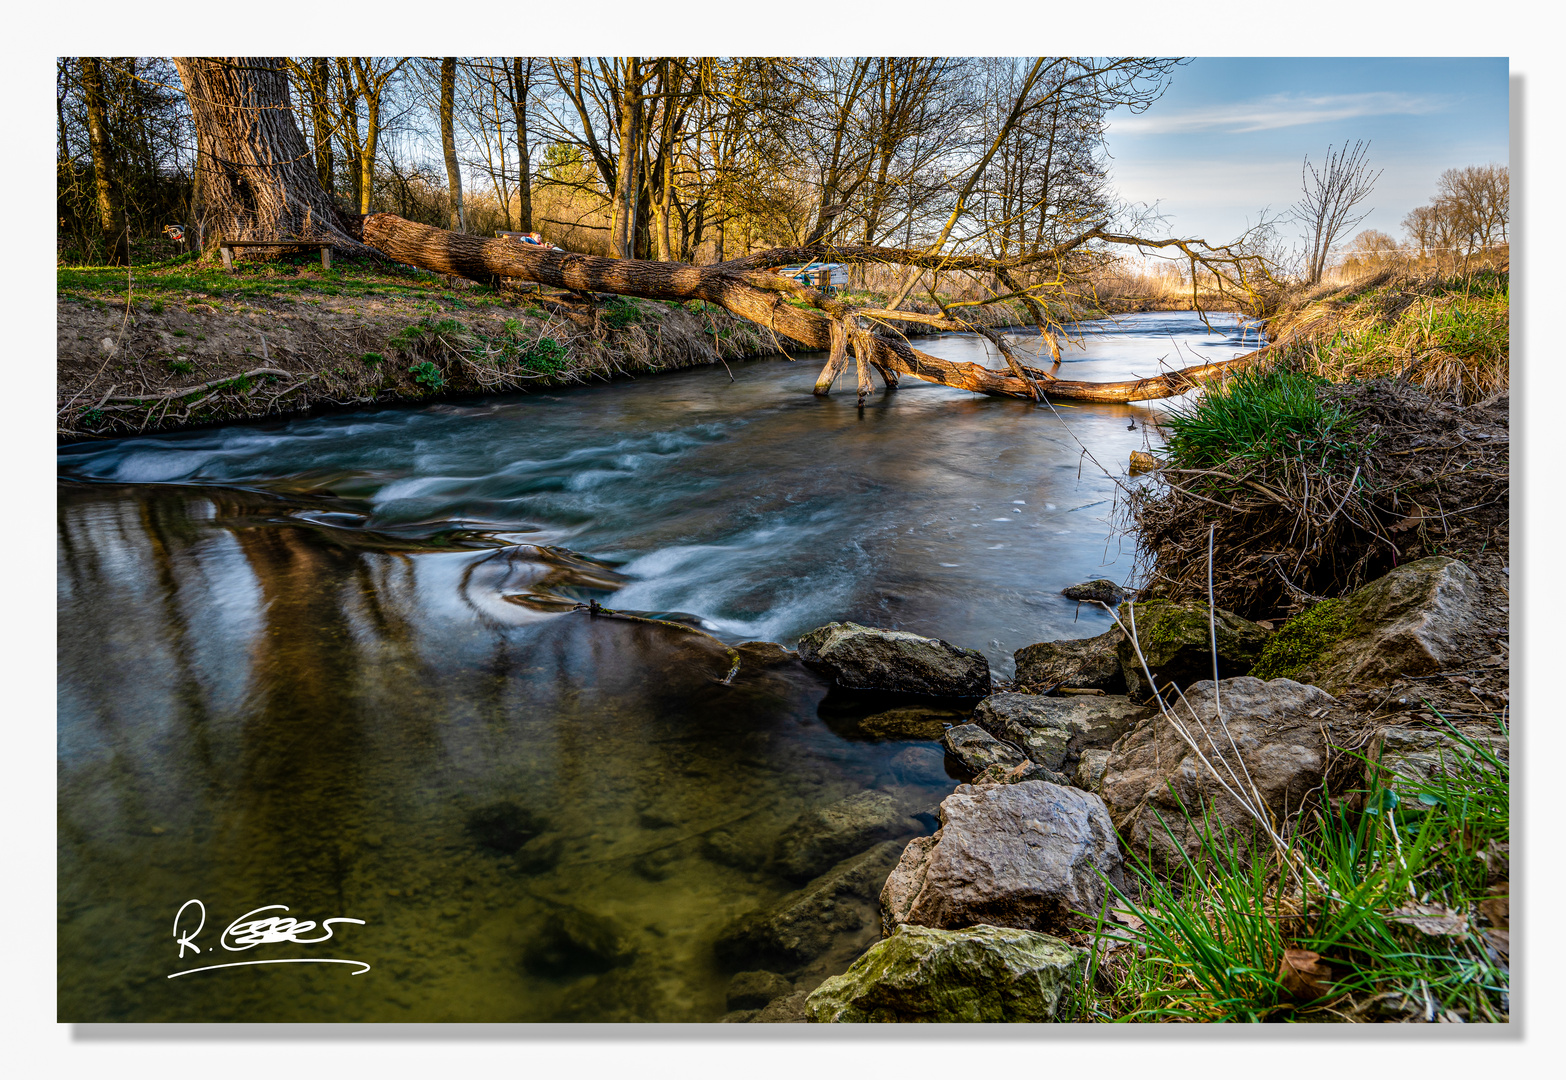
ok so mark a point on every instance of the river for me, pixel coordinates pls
(319, 663)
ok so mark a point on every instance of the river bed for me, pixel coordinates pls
(318, 663)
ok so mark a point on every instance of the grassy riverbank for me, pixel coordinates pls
(184, 343)
(1378, 436)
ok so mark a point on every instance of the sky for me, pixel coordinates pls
(1229, 135)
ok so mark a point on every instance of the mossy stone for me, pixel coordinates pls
(978, 974)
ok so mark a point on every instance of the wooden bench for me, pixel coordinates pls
(226, 247)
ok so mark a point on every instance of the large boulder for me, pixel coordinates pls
(1421, 617)
(977, 749)
(1053, 731)
(979, 974)
(867, 658)
(825, 835)
(1176, 642)
(1089, 664)
(1025, 855)
(809, 921)
(1274, 738)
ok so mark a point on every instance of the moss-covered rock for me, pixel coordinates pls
(979, 974)
(1302, 640)
(1418, 618)
(1176, 641)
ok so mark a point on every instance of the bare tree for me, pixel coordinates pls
(1331, 194)
(448, 141)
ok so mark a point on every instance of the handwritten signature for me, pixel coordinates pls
(246, 932)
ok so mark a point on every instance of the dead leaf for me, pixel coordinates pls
(1498, 910)
(1303, 976)
(1432, 919)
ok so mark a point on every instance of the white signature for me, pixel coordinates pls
(246, 932)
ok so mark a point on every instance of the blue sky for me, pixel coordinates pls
(1229, 135)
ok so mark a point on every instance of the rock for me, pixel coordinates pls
(1090, 664)
(503, 826)
(739, 1016)
(754, 989)
(572, 942)
(764, 654)
(1090, 770)
(1054, 731)
(1177, 644)
(784, 1010)
(1421, 617)
(1022, 855)
(921, 765)
(1277, 727)
(1016, 774)
(866, 658)
(910, 722)
(825, 835)
(977, 749)
(1411, 758)
(1099, 590)
(805, 923)
(540, 854)
(979, 974)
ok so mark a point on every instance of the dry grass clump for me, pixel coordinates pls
(1316, 488)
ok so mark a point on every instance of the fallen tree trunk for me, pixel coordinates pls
(755, 294)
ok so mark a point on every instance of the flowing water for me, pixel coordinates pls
(338, 664)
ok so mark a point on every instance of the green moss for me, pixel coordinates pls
(1302, 640)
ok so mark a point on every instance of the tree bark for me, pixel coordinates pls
(260, 181)
(521, 84)
(448, 142)
(111, 211)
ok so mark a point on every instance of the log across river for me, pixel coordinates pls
(336, 664)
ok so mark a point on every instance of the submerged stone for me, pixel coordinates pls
(976, 975)
(572, 942)
(825, 835)
(503, 826)
(807, 922)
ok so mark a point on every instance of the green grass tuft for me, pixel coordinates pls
(1262, 416)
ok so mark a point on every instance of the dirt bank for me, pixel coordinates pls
(186, 345)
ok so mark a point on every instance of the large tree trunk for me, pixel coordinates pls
(260, 180)
(757, 295)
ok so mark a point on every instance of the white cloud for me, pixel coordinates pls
(1278, 111)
